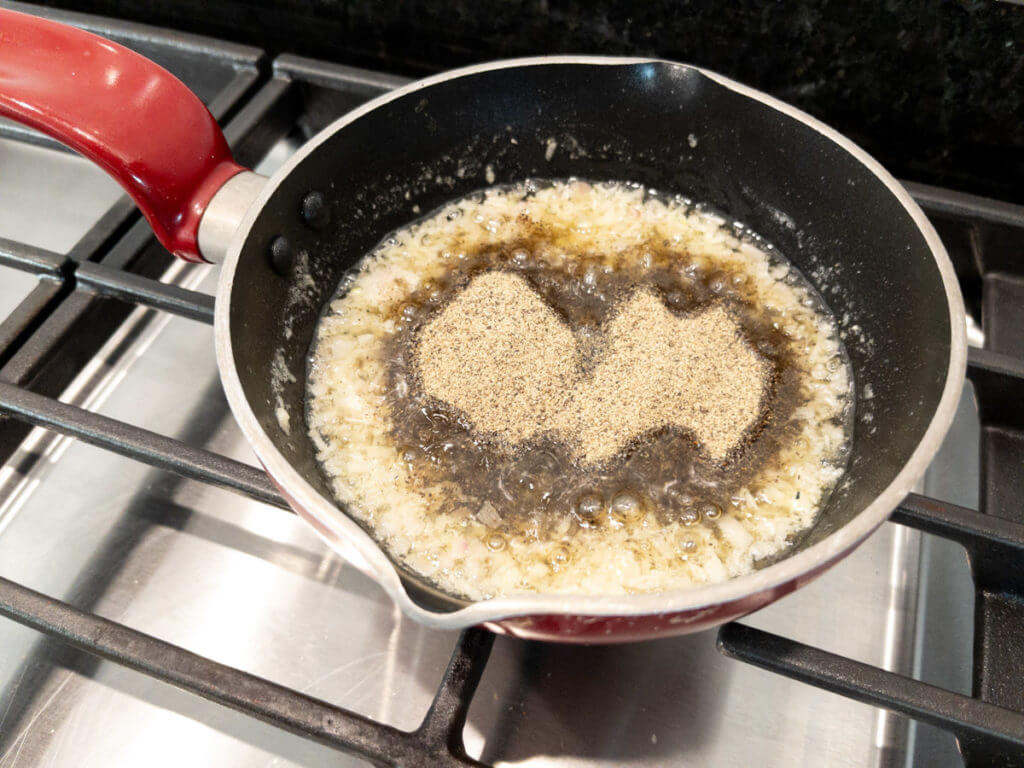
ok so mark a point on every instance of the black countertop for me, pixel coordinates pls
(933, 88)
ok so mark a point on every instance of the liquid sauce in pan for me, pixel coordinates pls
(566, 387)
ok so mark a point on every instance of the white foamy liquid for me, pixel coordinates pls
(349, 421)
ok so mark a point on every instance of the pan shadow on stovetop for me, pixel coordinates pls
(52, 680)
(608, 702)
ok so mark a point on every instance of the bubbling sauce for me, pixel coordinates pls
(528, 503)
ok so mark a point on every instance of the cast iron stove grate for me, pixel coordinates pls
(113, 270)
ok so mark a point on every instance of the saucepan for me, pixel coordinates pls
(284, 243)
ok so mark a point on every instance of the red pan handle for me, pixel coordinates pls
(133, 118)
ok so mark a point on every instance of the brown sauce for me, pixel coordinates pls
(536, 487)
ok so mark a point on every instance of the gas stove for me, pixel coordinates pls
(164, 607)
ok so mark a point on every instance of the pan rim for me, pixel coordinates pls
(343, 534)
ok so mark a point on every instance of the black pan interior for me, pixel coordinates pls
(666, 125)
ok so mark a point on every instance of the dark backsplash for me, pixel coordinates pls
(933, 88)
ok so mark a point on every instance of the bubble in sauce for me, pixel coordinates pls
(625, 507)
(588, 507)
(559, 557)
(689, 516)
(710, 510)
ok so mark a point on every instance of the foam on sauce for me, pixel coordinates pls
(521, 393)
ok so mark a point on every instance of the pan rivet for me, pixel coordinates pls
(281, 255)
(314, 210)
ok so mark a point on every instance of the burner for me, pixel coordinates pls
(117, 559)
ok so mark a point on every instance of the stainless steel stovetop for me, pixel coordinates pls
(251, 586)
